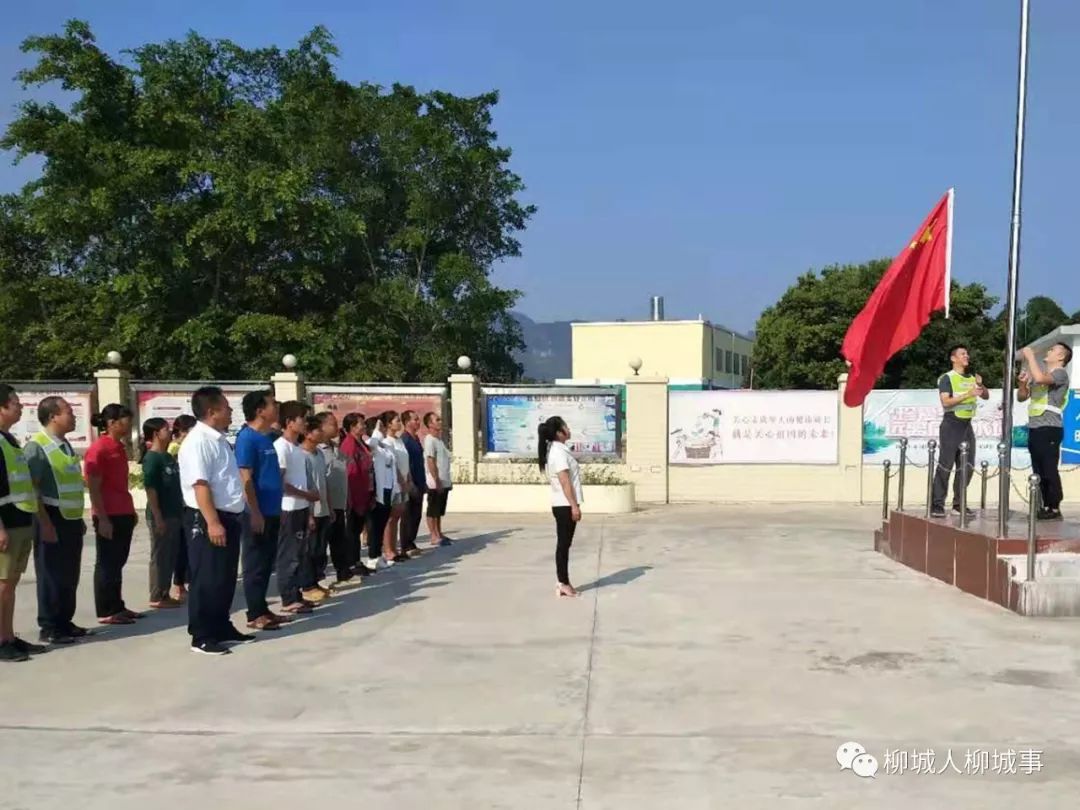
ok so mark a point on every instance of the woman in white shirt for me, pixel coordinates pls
(564, 475)
(387, 490)
(395, 429)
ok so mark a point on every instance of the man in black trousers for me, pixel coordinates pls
(57, 474)
(214, 522)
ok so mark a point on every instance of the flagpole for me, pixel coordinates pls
(1005, 474)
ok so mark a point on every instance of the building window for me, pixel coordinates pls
(719, 359)
(727, 361)
(738, 364)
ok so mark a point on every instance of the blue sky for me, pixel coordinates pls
(705, 151)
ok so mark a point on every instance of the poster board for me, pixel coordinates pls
(82, 403)
(512, 419)
(343, 401)
(753, 427)
(916, 414)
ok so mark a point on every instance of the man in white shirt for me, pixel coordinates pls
(214, 521)
(297, 522)
(439, 483)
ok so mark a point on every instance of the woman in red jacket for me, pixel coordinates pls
(361, 476)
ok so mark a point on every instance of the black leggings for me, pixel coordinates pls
(378, 517)
(564, 531)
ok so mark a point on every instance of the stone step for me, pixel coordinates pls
(1056, 588)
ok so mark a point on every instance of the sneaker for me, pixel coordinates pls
(236, 637)
(30, 649)
(937, 512)
(9, 653)
(210, 648)
(54, 637)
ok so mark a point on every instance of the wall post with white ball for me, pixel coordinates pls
(113, 382)
(464, 421)
(288, 384)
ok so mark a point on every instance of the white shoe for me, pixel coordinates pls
(383, 563)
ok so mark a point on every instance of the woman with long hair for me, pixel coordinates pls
(395, 429)
(181, 426)
(386, 487)
(164, 509)
(564, 475)
(106, 468)
(361, 478)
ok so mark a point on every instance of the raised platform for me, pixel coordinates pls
(975, 560)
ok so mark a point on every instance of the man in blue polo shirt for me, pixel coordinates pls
(410, 526)
(257, 459)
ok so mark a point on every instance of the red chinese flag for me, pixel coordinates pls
(915, 286)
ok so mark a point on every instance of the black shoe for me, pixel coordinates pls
(937, 512)
(54, 637)
(236, 637)
(78, 632)
(30, 649)
(971, 513)
(400, 558)
(1057, 514)
(1045, 514)
(9, 653)
(362, 570)
(210, 648)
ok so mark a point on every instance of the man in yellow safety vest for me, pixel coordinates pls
(959, 392)
(18, 506)
(57, 474)
(1046, 390)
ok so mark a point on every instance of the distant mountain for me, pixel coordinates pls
(547, 354)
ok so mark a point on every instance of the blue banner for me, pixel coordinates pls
(1070, 421)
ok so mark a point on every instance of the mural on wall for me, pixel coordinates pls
(916, 415)
(753, 427)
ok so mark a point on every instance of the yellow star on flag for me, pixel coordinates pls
(927, 235)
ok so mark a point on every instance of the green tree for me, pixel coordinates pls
(1039, 316)
(798, 338)
(206, 208)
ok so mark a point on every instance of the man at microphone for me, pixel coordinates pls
(959, 392)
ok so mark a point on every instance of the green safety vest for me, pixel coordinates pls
(963, 384)
(1039, 403)
(67, 472)
(20, 488)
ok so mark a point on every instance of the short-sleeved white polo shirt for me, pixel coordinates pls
(206, 456)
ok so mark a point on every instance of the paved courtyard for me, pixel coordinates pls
(717, 658)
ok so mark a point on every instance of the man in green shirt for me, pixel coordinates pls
(959, 392)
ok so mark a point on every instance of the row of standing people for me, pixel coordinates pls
(287, 496)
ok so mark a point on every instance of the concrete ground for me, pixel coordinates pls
(717, 658)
